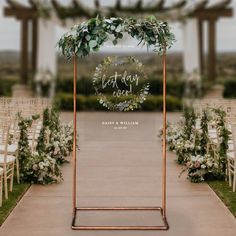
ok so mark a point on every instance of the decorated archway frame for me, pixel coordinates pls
(88, 37)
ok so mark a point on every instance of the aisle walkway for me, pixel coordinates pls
(120, 167)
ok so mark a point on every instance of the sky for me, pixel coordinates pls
(226, 28)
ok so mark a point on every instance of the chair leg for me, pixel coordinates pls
(17, 171)
(5, 186)
(226, 174)
(12, 178)
(230, 180)
(1, 191)
(229, 173)
(234, 181)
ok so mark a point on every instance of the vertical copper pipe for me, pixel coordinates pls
(164, 138)
(75, 134)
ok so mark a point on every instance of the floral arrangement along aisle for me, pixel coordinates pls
(54, 143)
(203, 157)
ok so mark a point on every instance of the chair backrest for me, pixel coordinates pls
(10, 107)
(5, 123)
(233, 130)
(228, 105)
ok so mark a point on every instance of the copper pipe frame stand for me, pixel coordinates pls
(162, 209)
(165, 225)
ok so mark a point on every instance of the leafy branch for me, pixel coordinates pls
(89, 36)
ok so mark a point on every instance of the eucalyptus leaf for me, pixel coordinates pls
(119, 28)
(149, 32)
(92, 43)
(108, 21)
(88, 37)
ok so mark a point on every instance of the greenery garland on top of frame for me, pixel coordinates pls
(91, 35)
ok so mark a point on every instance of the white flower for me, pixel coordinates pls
(35, 167)
(209, 164)
(41, 165)
(193, 158)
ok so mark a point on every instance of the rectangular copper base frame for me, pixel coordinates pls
(165, 225)
(162, 209)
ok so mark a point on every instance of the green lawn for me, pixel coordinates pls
(14, 197)
(225, 193)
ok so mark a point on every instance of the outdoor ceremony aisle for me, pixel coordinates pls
(120, 168)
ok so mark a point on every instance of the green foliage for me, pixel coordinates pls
(90, 103)
(85, 86)
(204, 138)
(55, 142)
(54, 123)
(223, 134)
(189, 121)
(24, 150)
(173, 87)
(13, 199)
(91, 35)
(229, 89)
(35, 167)
(225, 193)
(60, 143)
(42, 139)
(54, 139)
(193, 147)
(6, 86)
(155, 103)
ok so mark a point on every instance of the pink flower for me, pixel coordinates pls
(197, 164)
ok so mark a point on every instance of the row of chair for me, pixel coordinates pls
(229, 106)
(9, 136)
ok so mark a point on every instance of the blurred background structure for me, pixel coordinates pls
(195, 21)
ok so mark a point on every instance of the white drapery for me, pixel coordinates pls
(191, 51)
(47, 56)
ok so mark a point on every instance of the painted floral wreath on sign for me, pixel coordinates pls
(128, 91)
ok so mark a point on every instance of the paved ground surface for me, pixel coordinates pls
(120, 167)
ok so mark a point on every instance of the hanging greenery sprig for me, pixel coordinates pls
(42, 139)
(43, 165)
(189, 121)
(24, 151)
(223, 136)
(91, 35)
(60, 138)
(204, 137)
(54, 120)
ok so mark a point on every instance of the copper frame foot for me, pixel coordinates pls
(165, 225)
